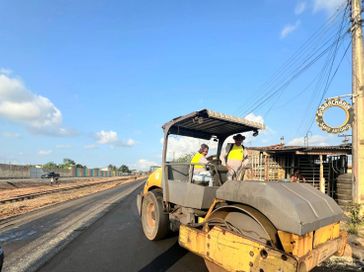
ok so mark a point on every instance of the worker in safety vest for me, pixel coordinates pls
(199, 159)
(200, 174)
(233, 157)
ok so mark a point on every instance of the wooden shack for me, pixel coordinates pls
(319, 165)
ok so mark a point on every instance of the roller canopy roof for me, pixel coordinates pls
(206, 123)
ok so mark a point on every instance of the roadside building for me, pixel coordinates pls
(319, 165)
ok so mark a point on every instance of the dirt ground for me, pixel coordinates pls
(15, 208)
(347, 264)
(353, 259)
(12, 189)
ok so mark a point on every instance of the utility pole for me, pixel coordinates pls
(358, 102)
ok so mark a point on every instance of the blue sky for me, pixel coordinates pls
(95, 80)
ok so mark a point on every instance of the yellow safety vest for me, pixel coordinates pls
(236, 153)
(196, 159)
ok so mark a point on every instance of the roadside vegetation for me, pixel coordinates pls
(356, 219)
(68, 163)
(186, 158)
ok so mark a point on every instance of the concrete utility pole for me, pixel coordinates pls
(322, 178)
(358, 102)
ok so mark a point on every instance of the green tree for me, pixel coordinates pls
(124, 169)
(112, 167)
(50, 166)
(356, 220)
(67, 163)
(185, 158)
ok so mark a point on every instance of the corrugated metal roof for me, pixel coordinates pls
(206, 123)
(341, 147)
(282, 148)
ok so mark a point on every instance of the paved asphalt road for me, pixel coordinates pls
(117, 243)
(16, 232)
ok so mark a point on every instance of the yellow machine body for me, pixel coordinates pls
(296, 233)
(154, 180)
(233, 252)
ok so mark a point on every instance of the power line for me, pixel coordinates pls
(330, 81)
(301, 51)
(294, 76)
(328, 70)
(308, 50)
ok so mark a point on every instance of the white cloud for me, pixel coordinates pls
(106, 137)
(330, 6)
(44, 152)
(288, 29)
(317, 140)
(300, 8)
(145, 164)
(130, 142)
(111, 138)
(255, 118)
(265, 136)
(20, 105)
(179, 146)
(9, 134)
(249, 138)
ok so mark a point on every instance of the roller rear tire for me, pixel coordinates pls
(155, 221)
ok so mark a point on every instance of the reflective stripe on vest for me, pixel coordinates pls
(196, 159)
(236, 153)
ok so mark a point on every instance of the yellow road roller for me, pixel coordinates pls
(237, 225)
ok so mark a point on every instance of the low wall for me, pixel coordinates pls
(24, 171)
(14, 171)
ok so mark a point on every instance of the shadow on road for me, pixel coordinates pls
(166, 259)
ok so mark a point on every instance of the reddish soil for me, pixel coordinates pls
(15, 208)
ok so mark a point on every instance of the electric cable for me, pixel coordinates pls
(303, 50)
(325, 72)
(330, 81)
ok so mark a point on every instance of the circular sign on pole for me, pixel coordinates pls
(331, 103)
